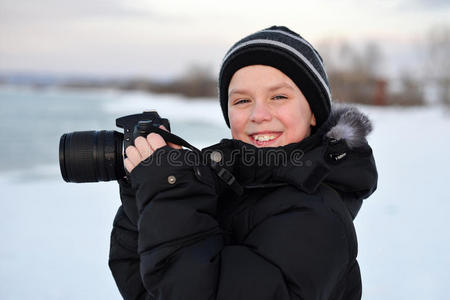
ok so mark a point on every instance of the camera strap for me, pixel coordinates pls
(170, 137)
(225, 175)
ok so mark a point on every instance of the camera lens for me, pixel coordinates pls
(91, 156)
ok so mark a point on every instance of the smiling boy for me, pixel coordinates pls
(251, 230)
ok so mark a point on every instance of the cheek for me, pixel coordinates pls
(296, 125)
(237, 124)
(234, 133)
(288, 116)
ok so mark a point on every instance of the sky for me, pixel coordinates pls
(161, 39)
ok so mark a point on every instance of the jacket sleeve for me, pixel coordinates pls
(353, 186)
(296, 253)
(123, 256)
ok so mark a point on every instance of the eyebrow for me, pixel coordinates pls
(270, 89)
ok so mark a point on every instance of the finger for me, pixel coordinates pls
(133, 155)
(175, 146)
(128, 165)
(155, 141)
(143, 147)
(172, 145)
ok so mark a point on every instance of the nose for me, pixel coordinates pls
(260, 112)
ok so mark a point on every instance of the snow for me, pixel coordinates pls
(403, 228)
(55, 236)
(55, 240)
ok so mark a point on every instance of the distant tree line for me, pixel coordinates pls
(355, 75)
(436, 49)
(197, 81)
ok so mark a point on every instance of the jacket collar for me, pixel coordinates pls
(337, 154)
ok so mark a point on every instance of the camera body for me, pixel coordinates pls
(93, 156)
(139, 125)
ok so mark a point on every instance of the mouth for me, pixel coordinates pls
(265, 139)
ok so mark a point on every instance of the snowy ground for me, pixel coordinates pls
(404, 243)
(55, 236)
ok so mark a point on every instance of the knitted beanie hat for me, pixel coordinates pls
(285, 50)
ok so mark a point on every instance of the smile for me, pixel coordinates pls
(264, 138)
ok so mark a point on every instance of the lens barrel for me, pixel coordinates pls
(91, 156)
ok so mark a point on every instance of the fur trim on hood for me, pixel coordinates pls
(348, 123)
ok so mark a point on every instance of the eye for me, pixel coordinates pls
(279, 97)
(241, 101)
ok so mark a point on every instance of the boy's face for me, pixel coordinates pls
(266, 108)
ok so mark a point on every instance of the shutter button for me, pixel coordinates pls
(171, 179)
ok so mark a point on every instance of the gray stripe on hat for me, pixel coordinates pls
(300, 39)
(287, 47)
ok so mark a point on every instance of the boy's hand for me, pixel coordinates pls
(144, 147)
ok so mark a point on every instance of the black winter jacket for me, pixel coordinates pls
(268, 228)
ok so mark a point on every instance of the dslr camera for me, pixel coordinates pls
(93, 156)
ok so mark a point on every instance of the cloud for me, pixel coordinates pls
(13, 11)
(424, 4)
(108, 35)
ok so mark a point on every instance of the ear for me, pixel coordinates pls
(313, 120)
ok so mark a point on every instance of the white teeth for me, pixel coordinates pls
(263, 138)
